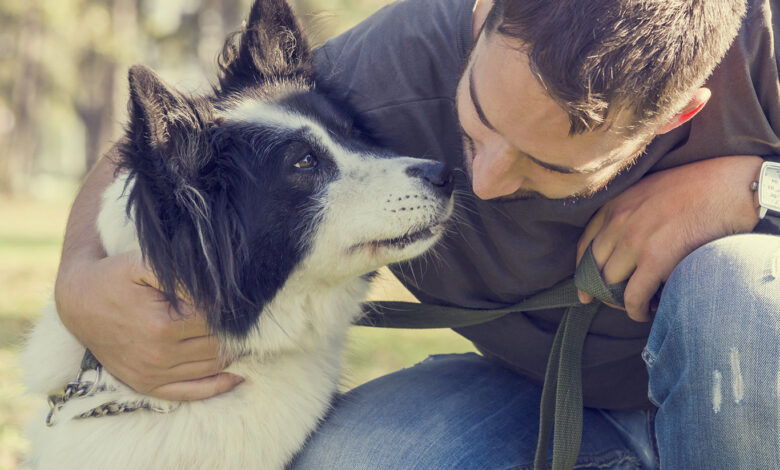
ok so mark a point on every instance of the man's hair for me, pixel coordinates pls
(596, 57)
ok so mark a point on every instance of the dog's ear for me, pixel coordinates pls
(156, 110)
(270, 46)
(165, 128)
(168, 155)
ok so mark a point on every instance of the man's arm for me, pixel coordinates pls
(642, 234)
(111, 306)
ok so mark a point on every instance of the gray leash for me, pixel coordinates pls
(561, 405)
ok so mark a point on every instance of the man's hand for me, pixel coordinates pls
(111, 305)
(643, 233)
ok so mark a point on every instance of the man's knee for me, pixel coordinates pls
(712, 352)
(729, 276)
(722, 298)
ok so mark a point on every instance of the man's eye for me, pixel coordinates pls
(307, 162)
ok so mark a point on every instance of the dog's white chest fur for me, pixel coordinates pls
(289, 378)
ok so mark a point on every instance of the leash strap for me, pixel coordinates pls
(394, 314)
(561, 405)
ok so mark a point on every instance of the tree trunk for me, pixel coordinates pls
(16, 168)
(95, 106)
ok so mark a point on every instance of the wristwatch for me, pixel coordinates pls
(769, 190)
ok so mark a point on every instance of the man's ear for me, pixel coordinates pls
(271, 46)
(695, 104)
(480, 14)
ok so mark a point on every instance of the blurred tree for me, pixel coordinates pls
(63, 83)
(20, 84)
(98, 61)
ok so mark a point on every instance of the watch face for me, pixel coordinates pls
(769, 189)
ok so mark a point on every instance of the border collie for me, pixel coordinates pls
(261, 203)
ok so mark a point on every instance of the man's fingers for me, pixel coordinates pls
(145, 378)
(591, 230)
(604, 246)
(584, 297)
(641, 288)
(201, 348)
(620, 265)
(181, 323)
(189, 324)
(194, 370)
(144, 277)
(137, 270)
(197, 389)
(163, 320)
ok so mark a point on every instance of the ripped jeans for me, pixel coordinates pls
(713, 357)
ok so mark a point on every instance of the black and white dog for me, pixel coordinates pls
(262, 205)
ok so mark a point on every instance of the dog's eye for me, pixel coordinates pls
(309, 161)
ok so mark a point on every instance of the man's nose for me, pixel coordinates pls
(494, 172)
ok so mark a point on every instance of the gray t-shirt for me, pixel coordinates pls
(399, 70)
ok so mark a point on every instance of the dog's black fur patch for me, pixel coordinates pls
(222, 214)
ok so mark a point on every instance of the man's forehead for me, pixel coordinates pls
(518, 106)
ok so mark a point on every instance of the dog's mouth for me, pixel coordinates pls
(400, 243)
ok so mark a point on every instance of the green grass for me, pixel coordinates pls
(30, 239)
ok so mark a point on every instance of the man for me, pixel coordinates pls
(577, 122)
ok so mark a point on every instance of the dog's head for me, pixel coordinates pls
(266, 180)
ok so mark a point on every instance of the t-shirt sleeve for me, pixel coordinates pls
(743, 114)
(407, 51)
(765, 69)
(397, 72)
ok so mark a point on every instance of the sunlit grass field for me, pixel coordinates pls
(30, 238)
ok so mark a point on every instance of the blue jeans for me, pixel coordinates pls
(713, 358)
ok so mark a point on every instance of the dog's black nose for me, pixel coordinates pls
(437, 174)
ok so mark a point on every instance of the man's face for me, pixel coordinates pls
(516, 138)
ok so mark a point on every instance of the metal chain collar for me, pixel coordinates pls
(113, 408)
(81, 388)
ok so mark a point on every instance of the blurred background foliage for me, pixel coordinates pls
(63, 70)
(63, 95)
